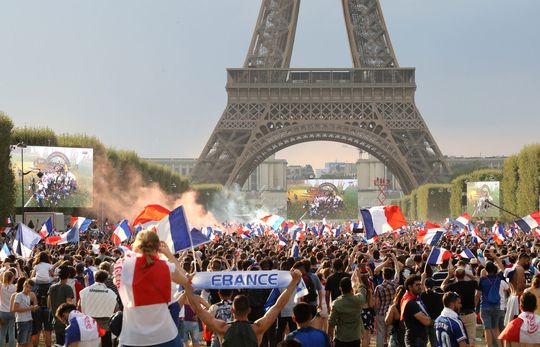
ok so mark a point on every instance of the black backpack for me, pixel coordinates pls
(42, 291)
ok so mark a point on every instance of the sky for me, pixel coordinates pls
(149, 75)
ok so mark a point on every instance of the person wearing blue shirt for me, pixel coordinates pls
(449, 328)
(489, 285)
(307, 335)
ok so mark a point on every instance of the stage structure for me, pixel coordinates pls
(271, 106)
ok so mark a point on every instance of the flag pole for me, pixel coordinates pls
(191, 243)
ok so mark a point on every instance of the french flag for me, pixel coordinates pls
(430, 235)
(499, 235)
(46, 228)
(207, 231)
(282, 242)
(149, 217)
(121, 233)
(174, 230)
(382, 219)
(475, 236)
(80, 223)
(25, 241)
(463, 220)
(295, 251)
(467, 254)
(438, 256)
(273, 221)
(70, 236)
(82, 328)
(529, 222)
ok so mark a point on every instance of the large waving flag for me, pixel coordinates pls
(121, 233)
(438, 255)
(431, 234)
(273, 221)
(382, 219)
(25, 241)
(529, 222)
(70, 236)
(463, 220)
(80, 223)
(149, 217)
(46, 228)
(175, 231)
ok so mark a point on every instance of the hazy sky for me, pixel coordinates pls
(150, 75)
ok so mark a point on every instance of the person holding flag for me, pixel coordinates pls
(144, 284)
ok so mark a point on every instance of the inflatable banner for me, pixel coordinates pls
(241, 279)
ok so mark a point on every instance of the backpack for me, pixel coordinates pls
(493, 296)
(42, 291)
(312, 292)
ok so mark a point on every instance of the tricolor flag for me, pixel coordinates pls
(499, 235)
(529, 222)
(430, 235)
(25, 241)
(70, 236)
(467, 254)
(149, 217)
(82, 328)
(524, 329)
(282, 242)
(121, 233)
(46, 228)
(438, 255)
(176, 233)
(4, 252)
(80, 223)
(382, 219)
(475, 236)
(295, 251)
(463, 220)
(273, 221)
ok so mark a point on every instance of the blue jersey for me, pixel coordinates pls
(310, 337)
(450, 332)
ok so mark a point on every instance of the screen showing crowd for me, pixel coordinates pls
(53, 176)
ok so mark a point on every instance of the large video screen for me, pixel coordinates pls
(478, 194)
(53, 176)
(315, 199)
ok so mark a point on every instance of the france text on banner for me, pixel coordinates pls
(241, 279)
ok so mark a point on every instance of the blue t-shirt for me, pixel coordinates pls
(310, 337)
(450, 332)
(485, 284)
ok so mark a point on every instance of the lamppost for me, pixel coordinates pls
(22, 146)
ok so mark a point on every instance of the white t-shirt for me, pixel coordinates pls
(149, 324)
(5, 296)
(42, 273)
(503, 294)
(98, 301)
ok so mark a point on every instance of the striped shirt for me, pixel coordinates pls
(98, 301)
(385, 292)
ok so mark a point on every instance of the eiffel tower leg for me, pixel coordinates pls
(368, 36)
(273, 38)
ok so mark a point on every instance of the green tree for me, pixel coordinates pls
(529, 174)
(509, 187)
(7, 179)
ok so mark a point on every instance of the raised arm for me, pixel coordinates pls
(262, 324)
(216, 325)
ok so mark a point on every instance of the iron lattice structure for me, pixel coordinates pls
(271, 106)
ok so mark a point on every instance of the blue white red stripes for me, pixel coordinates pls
(382, 219)
(438, 255)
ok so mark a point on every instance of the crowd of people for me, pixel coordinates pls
(50, 186)
(384, 293)
(323, 205)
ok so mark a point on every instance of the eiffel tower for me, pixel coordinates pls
(272, 106)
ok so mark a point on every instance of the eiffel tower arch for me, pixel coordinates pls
(272, 106)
